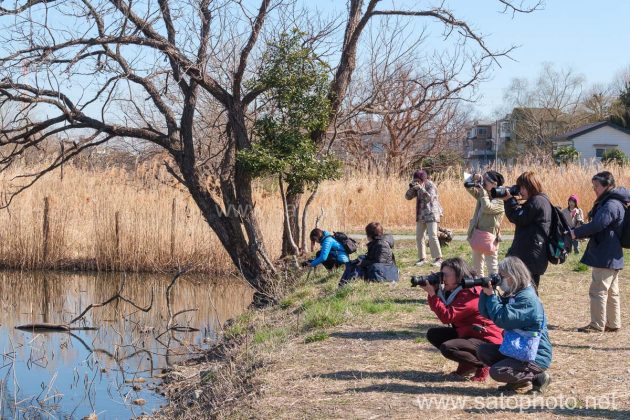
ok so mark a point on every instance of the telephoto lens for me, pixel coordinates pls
(470, 184)
(433, 279)
(492, 280)
(500, 192)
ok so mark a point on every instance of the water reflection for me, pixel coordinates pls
(70, 375)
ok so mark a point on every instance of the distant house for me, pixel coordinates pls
(593, 140)
(485, 141)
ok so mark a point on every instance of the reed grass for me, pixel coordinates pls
(135, 221)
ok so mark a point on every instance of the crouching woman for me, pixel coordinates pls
(525, 353)
(469, 330)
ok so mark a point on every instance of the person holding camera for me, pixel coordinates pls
(532, 221)
(483, 231)
(459, 307)
(525, 353)
(604, 252)
(428, 213)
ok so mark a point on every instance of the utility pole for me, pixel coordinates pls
(496, 145)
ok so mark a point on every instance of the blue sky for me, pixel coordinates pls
(587, 35)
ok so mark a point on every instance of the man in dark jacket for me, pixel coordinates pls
(532, 221)
(604, 252)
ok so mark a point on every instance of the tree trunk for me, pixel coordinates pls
(234, 223)
(291, 232)
(310, 200)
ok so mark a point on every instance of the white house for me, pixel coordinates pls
(593, 140)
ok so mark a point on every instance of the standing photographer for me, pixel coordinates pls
(428, 213)
(459, 307)
(604, 253)
(525, 353)
(532, 220)
(483, 231)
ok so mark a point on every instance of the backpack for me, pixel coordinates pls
(625, 230)
(559, 238)
(349, 244)
(625, 227)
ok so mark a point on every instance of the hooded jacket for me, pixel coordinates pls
(604, 230)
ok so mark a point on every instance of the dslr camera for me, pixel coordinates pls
(492, 280)
(432, 279)
(500, 192)
(470, 184)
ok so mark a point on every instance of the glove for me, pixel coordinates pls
(306, 263)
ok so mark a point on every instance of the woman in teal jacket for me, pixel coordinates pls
(331, 249)
(519, 308)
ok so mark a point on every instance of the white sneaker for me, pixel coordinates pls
(421, 262)
(437, 262)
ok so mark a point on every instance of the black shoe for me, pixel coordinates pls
(608, 329)
(540, 383)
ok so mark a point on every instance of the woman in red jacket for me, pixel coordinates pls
(459, 307)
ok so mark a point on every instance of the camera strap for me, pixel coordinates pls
(451, 297)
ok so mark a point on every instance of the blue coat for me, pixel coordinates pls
(604, 231)
(523, 311)
(330, 246)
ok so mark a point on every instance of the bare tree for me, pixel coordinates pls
(546, 109)
(141, 71)
(410, 117)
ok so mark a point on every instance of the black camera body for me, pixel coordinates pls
(432, 279)
(500, 192)
(492, 280)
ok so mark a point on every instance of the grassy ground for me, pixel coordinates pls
(361, 352)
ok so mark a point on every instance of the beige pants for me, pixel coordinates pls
(431, 228)
(491, 262)
(605, 303)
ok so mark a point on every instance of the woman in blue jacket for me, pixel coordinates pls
(517, 311)
(332, 252)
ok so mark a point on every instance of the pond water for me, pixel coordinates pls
(109, 370)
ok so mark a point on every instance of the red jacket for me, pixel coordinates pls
(463, 313)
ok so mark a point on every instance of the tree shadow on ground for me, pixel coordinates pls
(406, 375)
(398, 388)
(569, 412)
(587, 347)
(403, 301)
(379, 335)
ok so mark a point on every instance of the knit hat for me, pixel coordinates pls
(420, 174)
(574, 198)
(494, 176)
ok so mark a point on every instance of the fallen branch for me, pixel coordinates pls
(68, 326)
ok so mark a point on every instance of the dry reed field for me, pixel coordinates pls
(137, 221)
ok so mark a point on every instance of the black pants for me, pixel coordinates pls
(461, 350)
(505, 369)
